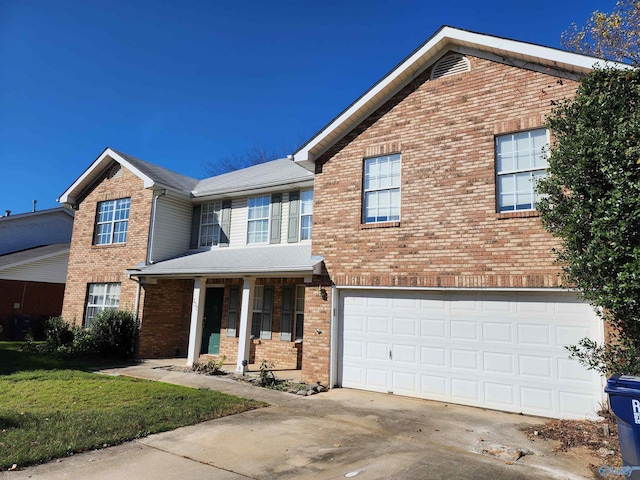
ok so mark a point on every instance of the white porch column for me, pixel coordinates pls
(246, 314)
(197, 314)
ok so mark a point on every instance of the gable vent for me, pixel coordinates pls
(115, 171)
(451, 64)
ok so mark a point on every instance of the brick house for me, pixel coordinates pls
(429, 274)
(217, 267)
(34, 250)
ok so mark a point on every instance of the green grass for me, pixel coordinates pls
(51, 408)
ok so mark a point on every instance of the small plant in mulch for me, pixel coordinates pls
(212, 367)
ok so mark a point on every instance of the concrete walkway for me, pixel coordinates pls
(339, 434)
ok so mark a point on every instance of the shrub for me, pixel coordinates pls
(58, 333)
(114, 333)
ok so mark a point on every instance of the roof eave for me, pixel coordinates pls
(419, 60)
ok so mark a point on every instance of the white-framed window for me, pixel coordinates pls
(382, 189)
(258, 215)
(306, 214)
(112, 221)
(210, 224)
(262, 308)
(101, 296)
(298, 329)
(520, 162)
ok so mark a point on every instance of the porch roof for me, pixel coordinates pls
(266, 260)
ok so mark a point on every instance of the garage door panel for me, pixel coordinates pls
(465, 389)
(377, 351)
(571, 371)
(497, 350)
(464, 359)
(404, 326)
(432, 328)
(464, 330)
(497, 332)
(433, 356)
(405, 354)
(537, 399)
(434, 385)
(574, 402)
(498, 363)
(377, 325)
(569, 335)
(534, 366)
(531, 334)
(500, 395)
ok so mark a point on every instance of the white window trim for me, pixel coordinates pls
(365, 191)
(514, 172)
(113, 222)
(217, 206)
(306, 215)
(100, 307)
(267, 218)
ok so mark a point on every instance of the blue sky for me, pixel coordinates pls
(182, 84)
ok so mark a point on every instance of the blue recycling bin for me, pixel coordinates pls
(624, 398)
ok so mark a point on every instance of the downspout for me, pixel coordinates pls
(152, 228)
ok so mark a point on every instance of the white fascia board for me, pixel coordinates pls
(421, 59)
(59, 253)
(99, 164)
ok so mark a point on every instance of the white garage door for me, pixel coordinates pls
(492, 349)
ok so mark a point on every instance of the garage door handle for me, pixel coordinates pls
(390, 355)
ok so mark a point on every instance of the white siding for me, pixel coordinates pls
(172, 231)
(48, 270)
(35, 230)
(238, 237)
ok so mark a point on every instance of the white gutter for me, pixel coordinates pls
(152, 227)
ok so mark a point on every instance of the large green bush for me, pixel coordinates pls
(113, 334)
(591, 203)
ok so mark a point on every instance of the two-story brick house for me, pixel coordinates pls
(213, 267)
(428, 274)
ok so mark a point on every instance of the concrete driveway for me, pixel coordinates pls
(339, 434)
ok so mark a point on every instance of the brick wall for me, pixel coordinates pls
(166, 316)
(90, 263)
(449, 234)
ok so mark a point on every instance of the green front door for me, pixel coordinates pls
(212, 321)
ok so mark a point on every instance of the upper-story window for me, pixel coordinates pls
(210, 224)
(382, 189)
(258, 215)
(306, 214)
(520, 161)
(112, 221)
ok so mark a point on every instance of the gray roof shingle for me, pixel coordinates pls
(281, 259)
(276, 172)
(161, 175)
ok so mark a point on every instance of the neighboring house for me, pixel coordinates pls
(429, 275)
(34, 250)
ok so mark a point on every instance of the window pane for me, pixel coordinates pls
(382, 192)
(306, 202)
(305, 229)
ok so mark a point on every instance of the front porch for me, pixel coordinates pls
(242, 317)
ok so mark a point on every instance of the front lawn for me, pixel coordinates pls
(52, 408)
